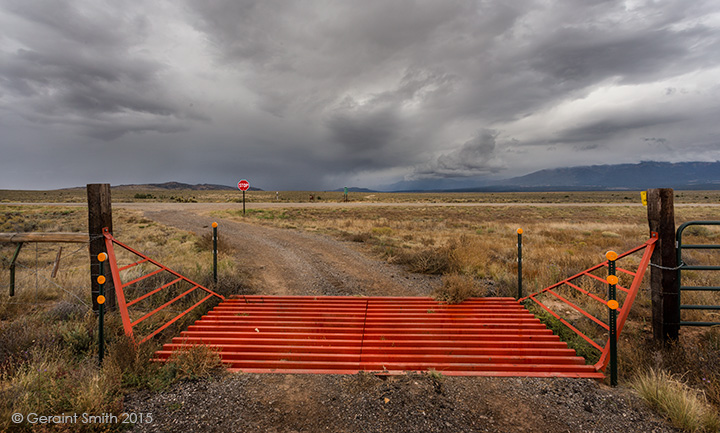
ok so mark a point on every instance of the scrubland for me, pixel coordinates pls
(48, 334)
(156, 195)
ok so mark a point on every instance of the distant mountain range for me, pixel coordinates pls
(641, 176)
(645, 175)
(181, 186)
(353, 189)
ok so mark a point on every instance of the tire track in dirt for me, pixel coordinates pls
(288, 262)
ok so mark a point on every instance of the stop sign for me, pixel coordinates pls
(243, 185)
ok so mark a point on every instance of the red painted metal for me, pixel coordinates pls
(345, 335)
(581, 311)
(624, 310)
(123, 304)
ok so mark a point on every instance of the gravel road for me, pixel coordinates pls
(289, 262)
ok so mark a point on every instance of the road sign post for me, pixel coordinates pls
(243, 186)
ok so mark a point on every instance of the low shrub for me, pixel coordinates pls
(457, 288)
(196, 362)
(433, 261)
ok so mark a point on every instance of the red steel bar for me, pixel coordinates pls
(133, 264)
(154, 333)
(143, 277)
(581, 311)
(163, 306)
(566, 323)
(153, 292)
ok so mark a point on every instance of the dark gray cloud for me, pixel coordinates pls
(312, 94)
(602, 129)
(85, 64)
(476, 157)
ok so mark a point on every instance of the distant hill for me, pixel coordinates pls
(354, 189)
(648, 174)
(172, 186)
(641, 176)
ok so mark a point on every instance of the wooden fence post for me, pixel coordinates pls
(99, 216)
(663, 282)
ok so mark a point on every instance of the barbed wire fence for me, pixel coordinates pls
(35, 274)
(34, 285)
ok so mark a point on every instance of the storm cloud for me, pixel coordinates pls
(322, 94)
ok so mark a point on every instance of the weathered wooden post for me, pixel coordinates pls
(99, 216)
(663, 263)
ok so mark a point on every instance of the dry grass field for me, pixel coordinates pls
(48, 340)
(133, 195)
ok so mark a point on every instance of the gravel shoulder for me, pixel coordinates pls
(286, 262)
(409, 403)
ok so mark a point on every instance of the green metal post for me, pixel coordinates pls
(215, 252)
(101, 312)
(612, 321)
(519, 245)
(12, 269)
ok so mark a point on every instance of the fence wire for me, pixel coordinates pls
(32, 273)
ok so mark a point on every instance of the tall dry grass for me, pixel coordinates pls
(48, 333)
(685, 407)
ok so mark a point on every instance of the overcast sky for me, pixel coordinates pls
(323, 94)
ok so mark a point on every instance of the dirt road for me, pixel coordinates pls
(288, 262)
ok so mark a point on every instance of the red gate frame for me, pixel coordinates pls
(623, 311)
(123, 306)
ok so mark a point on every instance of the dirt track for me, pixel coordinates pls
(295, 263)
(288, 262)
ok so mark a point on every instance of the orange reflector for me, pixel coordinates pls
(101, 299)
(612, 279)
(214, 225)
(611, 255)
(613, 304)
(102, 257)
(520, 231)
(101, 279)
